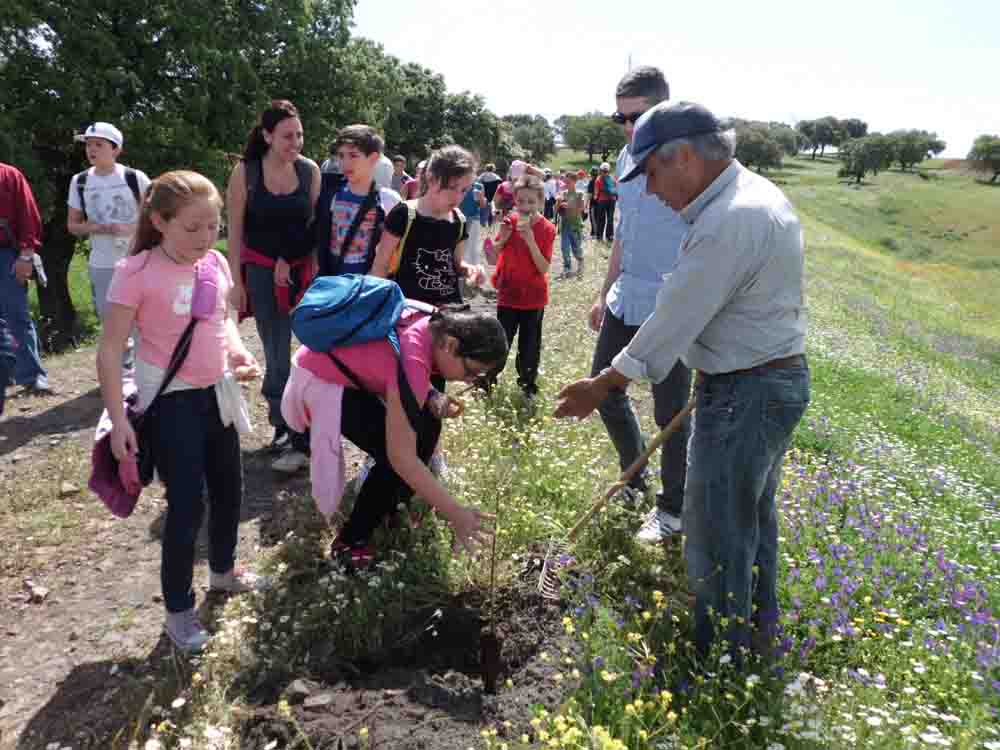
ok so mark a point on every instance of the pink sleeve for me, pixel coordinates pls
(416, 348)
(223, 266)
(126, 284)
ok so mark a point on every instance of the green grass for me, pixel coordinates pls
(947, 218)
(568, 158)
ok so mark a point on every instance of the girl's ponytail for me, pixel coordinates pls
(146, 235)
(166, 196)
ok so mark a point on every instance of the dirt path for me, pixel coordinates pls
(80, 605)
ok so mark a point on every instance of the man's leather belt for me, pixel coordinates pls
(782, 363)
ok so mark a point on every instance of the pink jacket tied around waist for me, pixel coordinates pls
(315, 404)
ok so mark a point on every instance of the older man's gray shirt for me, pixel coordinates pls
(735, 298)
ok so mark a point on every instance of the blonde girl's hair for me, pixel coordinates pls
(167, 195)
(531, 183)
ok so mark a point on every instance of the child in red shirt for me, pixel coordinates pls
(525, 250)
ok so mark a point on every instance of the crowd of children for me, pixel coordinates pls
(158, 280)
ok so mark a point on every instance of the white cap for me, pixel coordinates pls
(104, 130)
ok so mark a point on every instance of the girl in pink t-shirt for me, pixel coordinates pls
(451, 344)
(192, 445)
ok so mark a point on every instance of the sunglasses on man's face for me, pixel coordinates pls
(621, 119)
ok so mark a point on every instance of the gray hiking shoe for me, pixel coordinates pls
(657, 526)
(237, 581)
(186, 631)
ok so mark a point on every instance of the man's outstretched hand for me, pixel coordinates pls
(579, 399)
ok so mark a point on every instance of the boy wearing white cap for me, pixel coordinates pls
(104, 205)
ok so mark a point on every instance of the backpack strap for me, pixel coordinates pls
(132, 180)
(397, 254)
(406, 395)
(366, 205)
(81, 183)
(460, 217)
(253, 172)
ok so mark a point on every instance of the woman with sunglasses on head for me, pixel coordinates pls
(395, 417)
(172, 276)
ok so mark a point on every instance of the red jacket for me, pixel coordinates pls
(19, 210)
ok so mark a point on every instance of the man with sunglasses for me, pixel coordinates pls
(645, 249)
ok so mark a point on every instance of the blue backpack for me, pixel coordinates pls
(352, 309)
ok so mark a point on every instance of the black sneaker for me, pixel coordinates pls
(358, 556)
(280, 441)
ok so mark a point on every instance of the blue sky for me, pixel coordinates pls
(894, 64)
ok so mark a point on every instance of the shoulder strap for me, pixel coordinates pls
(460, 217)
(81, 183)
(177, 358)
(397, 254)
(253, 172)
(363, 209)
(132, 180)
(405, 391)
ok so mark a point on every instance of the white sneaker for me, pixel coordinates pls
(362, 475)
(657, 526)
(438, 466)
(186, 631)
(290, 462)
(237, 581)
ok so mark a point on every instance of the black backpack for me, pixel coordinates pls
(130, 179)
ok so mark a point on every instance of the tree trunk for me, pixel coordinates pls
(815, 148)
(58, 321)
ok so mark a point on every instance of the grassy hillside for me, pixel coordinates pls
(933, 215)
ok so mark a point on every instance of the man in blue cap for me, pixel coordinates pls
(733, 309)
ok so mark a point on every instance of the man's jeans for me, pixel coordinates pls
(6, 361)
(669, 397)
(193, 450)
(14, 309)
(743, 425)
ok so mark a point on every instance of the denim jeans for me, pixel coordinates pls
(6, 361)
(14, 308)
(100, 282)
(193, 450)
(275, 330)
(571, 245)
(743, 425)
(362, 421)
(669, 397)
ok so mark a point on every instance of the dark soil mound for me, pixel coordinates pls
(426, 691)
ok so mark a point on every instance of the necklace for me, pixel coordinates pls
(172, 258)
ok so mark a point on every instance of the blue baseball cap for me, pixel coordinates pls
(664, 123)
